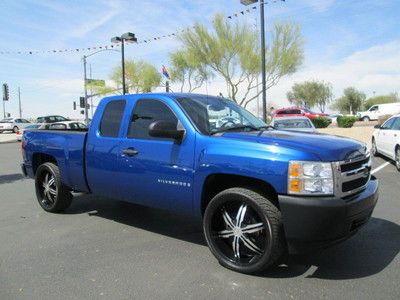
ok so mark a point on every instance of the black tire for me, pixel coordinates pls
(397, 158)
(15, 129)
(244, 252)
(52, 195)
(374, 150)
(366, 119)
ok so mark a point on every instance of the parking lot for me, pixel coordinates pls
(105, 248)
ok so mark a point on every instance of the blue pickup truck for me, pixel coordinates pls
(261, 192)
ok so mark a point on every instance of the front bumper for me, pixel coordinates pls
(317, 222)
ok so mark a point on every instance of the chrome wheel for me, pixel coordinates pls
(239, 233)
(48, 191)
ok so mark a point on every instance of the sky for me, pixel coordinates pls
(346, 43)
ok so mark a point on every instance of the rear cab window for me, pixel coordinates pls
(111, 120)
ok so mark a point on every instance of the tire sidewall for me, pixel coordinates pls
(15, 129)
(47, 167)
(214, 204)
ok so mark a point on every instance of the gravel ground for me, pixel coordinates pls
(362, 134)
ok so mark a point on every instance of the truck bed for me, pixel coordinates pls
(66, 146)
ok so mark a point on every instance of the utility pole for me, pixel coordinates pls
(19, 103)
(85, 88)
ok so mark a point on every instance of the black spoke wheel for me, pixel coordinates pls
(397, 158)
(51, 193)
(243, 230)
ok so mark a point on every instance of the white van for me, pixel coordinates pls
(375, 111)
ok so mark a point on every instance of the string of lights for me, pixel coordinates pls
(111, 46)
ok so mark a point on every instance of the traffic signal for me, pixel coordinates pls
(74, 105)
(82, 102)
(6, 94)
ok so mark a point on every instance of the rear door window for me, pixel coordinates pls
(111, 119)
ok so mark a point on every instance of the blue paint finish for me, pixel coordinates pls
(168, 175)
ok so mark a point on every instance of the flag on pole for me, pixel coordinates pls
(165, 71)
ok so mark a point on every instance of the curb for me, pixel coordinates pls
(8, 142)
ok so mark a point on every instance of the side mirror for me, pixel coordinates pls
(165, 129)
(377, 126)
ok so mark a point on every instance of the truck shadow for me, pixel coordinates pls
(149, 219)
(369, 252)
(11, 178)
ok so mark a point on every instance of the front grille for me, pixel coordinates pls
(354, 184)
(352, 176)
(353, 165)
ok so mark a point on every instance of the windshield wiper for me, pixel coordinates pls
(253, 128)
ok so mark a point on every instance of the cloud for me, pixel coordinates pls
(319, 5)
(95, 22)
(372, 69)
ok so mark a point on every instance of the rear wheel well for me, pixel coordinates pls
(41, 158)
(216, 183)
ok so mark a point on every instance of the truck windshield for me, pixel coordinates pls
(214, 114)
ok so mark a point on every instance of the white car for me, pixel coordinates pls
(386, 140)
(378, 110)
(65, 125)
(293, 123)
(12, 124)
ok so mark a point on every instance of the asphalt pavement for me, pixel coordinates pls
(101, 248)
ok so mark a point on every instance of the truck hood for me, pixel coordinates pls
(326, 147)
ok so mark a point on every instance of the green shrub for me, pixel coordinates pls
(321, 122)
(346, 121)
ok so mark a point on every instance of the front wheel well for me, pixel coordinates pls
(216, 183)
(41, 158)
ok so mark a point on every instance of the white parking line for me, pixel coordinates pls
(380, 167)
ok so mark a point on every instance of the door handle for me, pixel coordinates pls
(130, 152)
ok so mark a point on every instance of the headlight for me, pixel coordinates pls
(310, 178)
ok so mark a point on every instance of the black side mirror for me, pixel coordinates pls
(165, 129)
(377, 126)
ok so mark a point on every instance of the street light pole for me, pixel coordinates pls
(19, 102)
(126, 37)
(85, 89)
(263, 71)
(263, 75)
(123, 66)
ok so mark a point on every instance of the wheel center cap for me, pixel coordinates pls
(237, 231)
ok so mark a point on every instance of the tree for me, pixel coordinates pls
(186, 70)
(140, 77)
(231, 50)
(352, 101)
(390, 98)
(310, 93)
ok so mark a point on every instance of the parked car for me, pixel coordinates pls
(297, 112)
(260, 192)
(20, 132)
(386, 140)
(66, 125)
(293, 123)
(334, 117)
(51, 119)
(13, 124)
(376, 111)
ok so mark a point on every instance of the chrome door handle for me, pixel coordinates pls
(130, 152)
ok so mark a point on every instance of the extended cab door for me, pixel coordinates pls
(102, 149)
(154, 171)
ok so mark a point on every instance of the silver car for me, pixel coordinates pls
(13, 124)
(294, 123)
